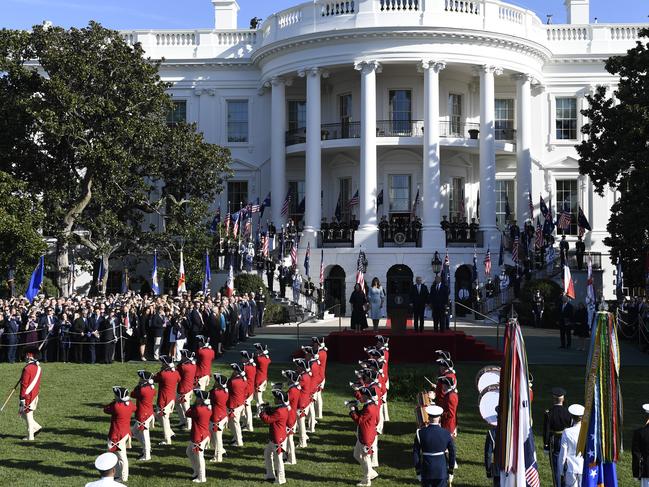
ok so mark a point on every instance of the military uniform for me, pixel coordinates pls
(200, 413)
(490, 465)
(219, 419)
(237, 388)
(168, 379)
(640, 451)
(366, 420)
(187, 371)
(30, 384)
(204, 358)
(291, 422)
(144, 394)
(431, 443)
(276, 418)
(250, 368)
(262, 359)
(320, 347)
(304, 401)
(120, 410)
(556, 420)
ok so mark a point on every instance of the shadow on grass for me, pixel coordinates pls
(38, 466)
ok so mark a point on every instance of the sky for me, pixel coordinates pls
(197, 14)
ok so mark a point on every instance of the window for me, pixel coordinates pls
(401, 112)
(345, 114)
(237, 121)
(455, 115)
(237, 194)
(505, 194)
(456, 199)
(566, 118)
(399, 193)
(296, 207)
(567, 197)
(178, 113)
(344, 195)
(296, 115)
(505, 119)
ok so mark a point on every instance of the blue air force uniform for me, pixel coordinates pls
(431, 464)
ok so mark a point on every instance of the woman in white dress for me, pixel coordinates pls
(376, 297)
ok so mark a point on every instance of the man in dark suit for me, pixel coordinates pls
(109, 330)
(129, 324)
(78, 328)
(565, 321)
(46, 326)
(196, 326)
(640, 451)
(438, 303)
(418, 301)
(92, 334)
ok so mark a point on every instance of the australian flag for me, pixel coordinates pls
(548, 224)
(596, 472)
(263, 205)
(338, 212)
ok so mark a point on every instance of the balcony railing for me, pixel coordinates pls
(343, 130)
(399, 128)
(400, 233)
(337, 234)
(459, 130)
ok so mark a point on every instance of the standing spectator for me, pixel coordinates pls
(565, 321)
(109, 334)
(92, 334)
(65, 338)
(438, 303)
(418, 301)
(376, 297)
(78, 330)
(178, 334)
(158, 325)
(358, 300)
(537, 308)
(296, 286)
(253, 315)
(144, 323)
(11, 329)
(128, 322)
(47, 323)
(196, 326)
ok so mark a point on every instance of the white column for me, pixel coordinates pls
(523, 147)
(367, 233)
(313, 172)
(488, 156)
(278, 148)
(432, 235)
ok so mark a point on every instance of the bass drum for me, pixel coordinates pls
(488, 402)
(487, 376)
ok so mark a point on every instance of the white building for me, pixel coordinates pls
(330, 97)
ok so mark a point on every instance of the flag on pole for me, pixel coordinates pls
(248, 228)
(487, 263)
(294, 253)
(582, 222)
(361, 268)
(154, 275)
(208, 274)
(475, 265)
(590, 293)
(182, 288)
(515, 250)
(263, 206)
(307, 259)
(215, 221)
(568, 284)
(227, 223)
(236, 216)
(531, 206)
(446, 271)
(477, 206)
(354, 201)
(619, 279)
(543, 207)
(36, 280)
(230, 282)
(256, 208)
(287, 203)
(508, 211)
(548, 224)
(539, 234)
(321, 267)
(379, 199)
(413, 212)
(338, 211)
(501, 255)
(264, 247)
(565, 218)
(100, 273)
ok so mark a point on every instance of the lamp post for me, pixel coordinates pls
(436, 263)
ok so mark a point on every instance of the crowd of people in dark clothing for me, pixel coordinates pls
(126, 326)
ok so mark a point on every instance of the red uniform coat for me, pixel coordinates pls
(204, 358)
(293, 400)
(366, 419)
(238, 388)
(200, 414)
(187, 375)
(30, 382)
(449, 417)
(305, 391)
(168, 380)
(276, 420)
(219, 400)
(251, 372)
(120, 421)
(261, 375)
(317, 376)
(322, 354)
(144, 395)
(439, 391)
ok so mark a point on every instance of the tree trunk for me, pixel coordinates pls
(62, 266)
(105, 258)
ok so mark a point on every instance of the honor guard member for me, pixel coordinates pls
(449, 402)
(640, 451)
(305, 399)
(445, 368)
(318, 345)
(490, 462)
(537, 308)
(563, 250)
(571, 465)
(105, 464)
(276, 417)
(204, 358)
(120, 410)
(200, 413)
(556, 420)
(432, 466)
(313, 359)
(144, 394)
(30, 385)
(168, 379)
(250, 368)
(237, 388)
(378, 355)
(369, 377)
(219, 399)
(291, 424)
(187, 371)
(262, 360)
(366, 420)
(270, 274)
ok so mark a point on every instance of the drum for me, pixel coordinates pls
(421, 416)
(487, 376)
(488, 402)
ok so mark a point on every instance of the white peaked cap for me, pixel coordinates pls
(645, 408)
(434, 410)
(105, 461)
(576, 410)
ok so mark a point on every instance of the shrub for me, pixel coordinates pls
(275, 313)
(551, 293)
(407, 384)
(249, 283)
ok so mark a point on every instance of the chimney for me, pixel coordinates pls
(225, 14)
(578, 11)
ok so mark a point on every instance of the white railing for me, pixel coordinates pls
(567, 33)
(234, 37)
(625, 32)
(129, 38)
(330, 9)
(510, 14)
(176, 39)
(462, 6)
(289, 17)
(398, 5)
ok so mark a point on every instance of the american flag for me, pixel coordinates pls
(487, 263)
(248, 229)
(264, 245)
(227, 222)
(321, 267)
(565, 218)
(287, 203)
(235, 228)
(531, 207)
(515, 250)
(361, 268)
(354, 201)
(255, 207)
(539, 234)
(294, 253)
(446, 271)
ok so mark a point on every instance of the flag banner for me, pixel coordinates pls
(248, 228)
(508, 210)
(265, 245)
(475, 266)
(538, 243)
(590, 294)
(543, 207)
(568, 284)
(446, 271)
(155, 287)
(415, 204)
(600, 436)
(182, 288)
(565, 218)
(228, 217)
(230, 282)
(619, 279)
(124, 289)
(256, 208)
(215, 221)
(263, 206)
(487, 263)
(307, 259)
(477, 206)
(379, 199)
(354, 201)
(338, 211)
(582, 222)
(208, 274)
(36, 280)
(287, 203)
(321, 267)
(501, 255)
(531, 207)
(361, 269)
(100, 273)
(548, 224)
(515, 250)
(294, 253)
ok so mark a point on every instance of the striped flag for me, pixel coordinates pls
(568, 284)
(354, 201)
(208, 274)
(227, 223)
(264, 247)
(154, 275)
(307, 259)
(256, 208)
(230, 282)
(235, 228)
(515, 250)
(321, 267)
(361, 268)
(415, 204)
(294, 253)
(487, 263)
(248, 229)
(531, 205)
(565, 217)
(287, 203)
(539, 234)
(182, 288)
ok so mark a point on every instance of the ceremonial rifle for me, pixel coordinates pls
(11, 393)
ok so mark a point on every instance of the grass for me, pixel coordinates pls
(75, 430)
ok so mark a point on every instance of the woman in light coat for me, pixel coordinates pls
(376, 297)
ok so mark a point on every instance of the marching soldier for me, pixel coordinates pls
(305, 399)
(313, 359)
(291, 423)
(219, 399)
(237, 388)
(640, 451)
(319, 346)
(30, 385)
(445, 368)
(200, 413)
(448, 402)
(187, 371)
(121, 410)
(204, 358)
(276, 418)
(168, 378)
(250, 368)
(262, 361)
(556, 420)
(429, 451)
(379, 357)
(571, 465)
(144, 394)
(366, 420)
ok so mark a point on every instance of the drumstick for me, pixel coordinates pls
(428, 380)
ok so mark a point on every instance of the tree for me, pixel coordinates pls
(615, 155)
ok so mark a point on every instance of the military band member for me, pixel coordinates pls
(262, 361)
(187, 371)
(237, 388)
(571, 465)
(204, 358)
(305, 399)
(276, 418)
(379, 356)
(366, 420)
(313, 359)
(319, 346)
(556, 420)
(120, 410)
(580, 250)
(30, 385)
(432, 442)
(200, 413)
(168, 379)
(270, 274)
(449, 402)
(219, 399)
(250, 368)
(445, 368)
(293, 379)
(144, 394)
(640, 451)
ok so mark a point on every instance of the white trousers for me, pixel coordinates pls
(384, 408)
(310, 414)
(180, 345)
(365, 460)
(290, 446)
(121, 469)
(217, 439)
(259, 393)
(166, 421)
(317, 403)
(247, 414)
(157, 343)
(203, 382)
(197, 458)
(182, 405)
(28, 416)
(144, 436)
(274, 463)
(301, 429)
(234, 425)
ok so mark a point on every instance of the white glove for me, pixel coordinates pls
(418, 478)
(450, 479)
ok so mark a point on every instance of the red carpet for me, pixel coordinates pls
(411, 347)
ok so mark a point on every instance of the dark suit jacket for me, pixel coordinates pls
(418, 300)
(565, 314)
(93, 325)
(157, 325)
(195, 322)
(438, 299)
(640, 453)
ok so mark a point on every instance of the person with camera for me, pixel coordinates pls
(276, 417)
(366, 419)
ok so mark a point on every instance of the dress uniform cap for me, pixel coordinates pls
(121, 393)
(280, 395)
(448, 363)
(106, 461)
(369, 392)
(167, 361)
(201, 394)
(145, 375)
(576, 410)
(261, 348)
(558, 391)
(443, 354)
(434, 411)
(645, 408)
(220, 380)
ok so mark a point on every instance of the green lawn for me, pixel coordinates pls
(75, 431)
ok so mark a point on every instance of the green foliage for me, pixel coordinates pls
(551, 293)
(249, 283)
(276, 313)
(615, 155)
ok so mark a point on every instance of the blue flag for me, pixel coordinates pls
(597, 473)
(154, 275)
(338, 213)
(208, 274)
(100, 273)
(215, 221)
(36, 280)
(263, 205)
